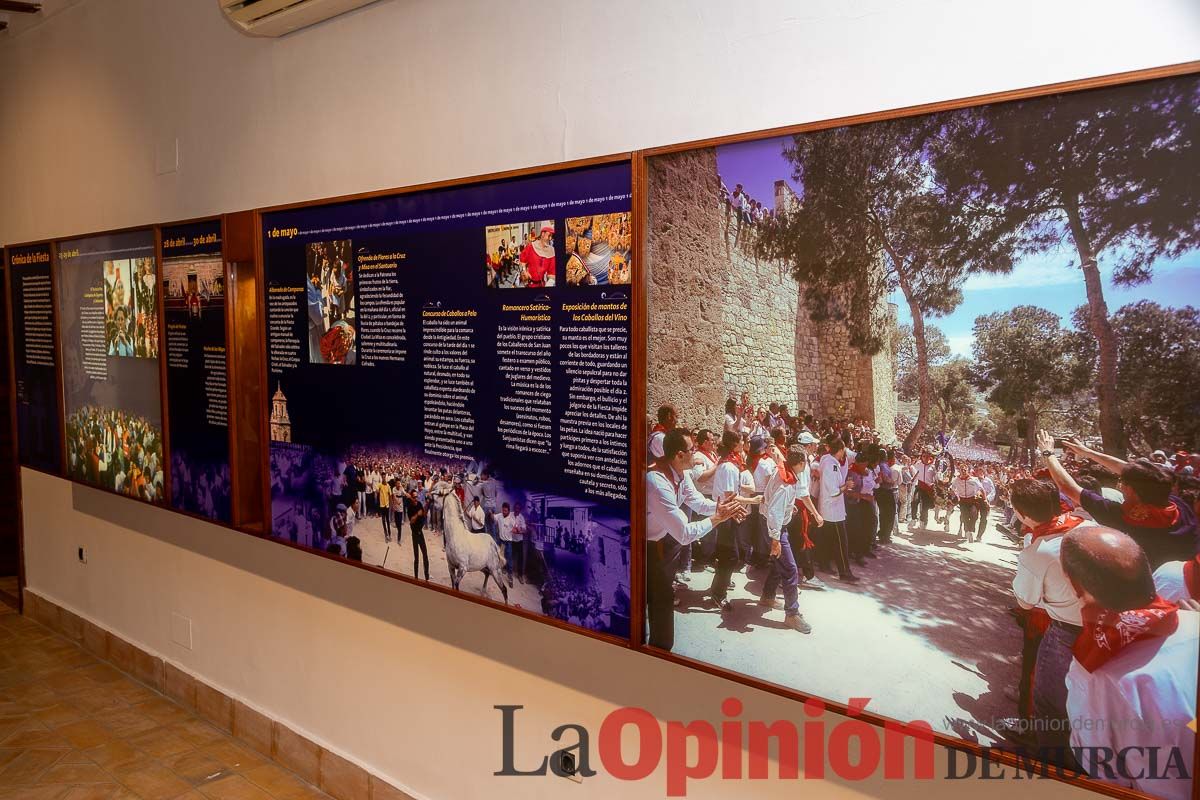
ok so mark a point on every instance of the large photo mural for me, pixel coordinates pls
(922, 395)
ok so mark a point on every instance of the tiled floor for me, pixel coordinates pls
(74, 728)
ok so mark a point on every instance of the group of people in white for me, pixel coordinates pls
(1107, 580)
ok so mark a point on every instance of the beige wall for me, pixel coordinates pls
(399, 679)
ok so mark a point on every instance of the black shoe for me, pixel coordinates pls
(848, 578)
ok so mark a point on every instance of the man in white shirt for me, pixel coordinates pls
(984, 476)
(1041, 584)
(506, 525)
(925, 485)
(908, 477)
(520, 542)
(1179, 582)
(1132, 682)
(475, 516)
(967, 492)
(697, 491)
(760, 467)
(667, 419)
(779, 505)
(727, 484)
(831, 503)
(805, 518)
(668, 529)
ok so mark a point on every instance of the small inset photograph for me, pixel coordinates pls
(194, 285)
(520, 255)
(332, 314)
(144, 284)
(599, 250)
(118, 308)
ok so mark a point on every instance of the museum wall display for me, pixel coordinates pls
(108, 304)
(448, 372)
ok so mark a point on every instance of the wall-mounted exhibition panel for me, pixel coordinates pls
(35, 357)
(941, 282)
(448, 387)
(195, 298)
(108, 305)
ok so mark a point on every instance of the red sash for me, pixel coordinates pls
(1107, 633)
(735, 459)
(1060, 524)
(1144, 515)
(1191, 577)
(753, 464)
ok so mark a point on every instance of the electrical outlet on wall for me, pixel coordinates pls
(181, 630)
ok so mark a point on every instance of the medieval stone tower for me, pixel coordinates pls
(722, 321)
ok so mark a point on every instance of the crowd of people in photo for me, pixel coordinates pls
(115, 450)
(194, 290)
(528, 264)
(405, 491)
(1108, 574)
(330, 298)
(200, 489)
(131, 312)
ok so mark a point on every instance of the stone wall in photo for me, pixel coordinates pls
(721, 321)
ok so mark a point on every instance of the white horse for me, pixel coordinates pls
(467, 551)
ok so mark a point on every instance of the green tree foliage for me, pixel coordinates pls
(873, 219)
(1027, 362)
(1111, 172)
(1157, 365)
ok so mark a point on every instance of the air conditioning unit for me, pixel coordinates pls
(281, 17)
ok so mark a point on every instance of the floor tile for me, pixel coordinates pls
(75, 728)
(75, 773)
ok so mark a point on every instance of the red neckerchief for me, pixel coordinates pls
(708, 451)
(1106, 633)
(1191, 577)
(667, 472)
(734, 458)
(658, 428)
(786, 475)
(1060, 524)
(782, 447)
(858, 468)
(1036, 622)
(1144, 515)
(753, 463)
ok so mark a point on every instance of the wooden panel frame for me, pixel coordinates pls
(239, 225)
(636, 368)
(62, 388)
(944, 740)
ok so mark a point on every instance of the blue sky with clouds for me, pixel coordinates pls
(1049, 279)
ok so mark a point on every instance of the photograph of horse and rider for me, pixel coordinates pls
(922, 393)
(459, 524)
